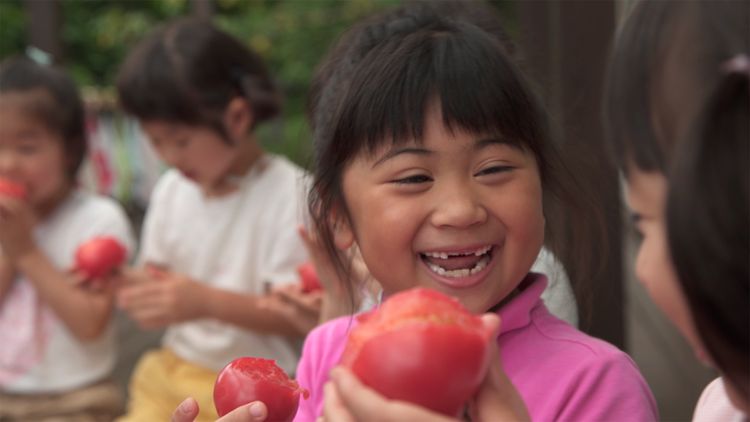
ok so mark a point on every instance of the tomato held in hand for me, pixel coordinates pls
(249, 379)
(12, 189)
(309, 277)
(99, 256)
(420, 346)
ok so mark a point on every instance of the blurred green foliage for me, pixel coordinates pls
(292, 35)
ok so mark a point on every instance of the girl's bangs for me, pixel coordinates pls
(464, 69)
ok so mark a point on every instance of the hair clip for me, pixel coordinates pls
(740, 63)
(38, 56)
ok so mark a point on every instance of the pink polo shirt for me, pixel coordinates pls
(561, 373)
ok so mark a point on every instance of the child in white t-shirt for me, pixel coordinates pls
(58, 341)
(221, 226)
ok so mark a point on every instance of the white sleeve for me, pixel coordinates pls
(107, 218)
(286, 251)
(151, 246)
(558, 296)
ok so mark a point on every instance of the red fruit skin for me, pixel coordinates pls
(425, 349)
(309, 277)
(12, 189)
(99, 256)
(249, 379)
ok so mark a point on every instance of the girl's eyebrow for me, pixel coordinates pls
(487, 142)
(398, 151)
(478, 145)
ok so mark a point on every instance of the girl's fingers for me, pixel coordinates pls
(491, 323)
(333, 408)
(361, 402)
(364, 404)
(187, 411)
(251, 412)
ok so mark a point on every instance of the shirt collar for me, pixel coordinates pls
(517, 313)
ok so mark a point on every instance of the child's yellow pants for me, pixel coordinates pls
(161, 381)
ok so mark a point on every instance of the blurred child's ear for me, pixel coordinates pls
(343, 235)
(238, 118)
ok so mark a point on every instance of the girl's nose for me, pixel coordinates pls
(459, 207)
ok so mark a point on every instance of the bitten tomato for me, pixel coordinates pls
(420, 346)
(309, 277)
(12, 189)
(249, 379)
(99, 256)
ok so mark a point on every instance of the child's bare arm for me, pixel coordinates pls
(169, 298)
(85, 312)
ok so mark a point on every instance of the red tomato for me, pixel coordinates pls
(249, 379)
(99, 256)
(12, 189)
(309, 277)
(420, 346)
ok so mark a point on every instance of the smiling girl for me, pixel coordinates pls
(434, 160)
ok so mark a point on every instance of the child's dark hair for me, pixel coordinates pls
(655, 51)
(188, 71)
(708, 220)
(376, 85)
(53, 99)
(706, 164)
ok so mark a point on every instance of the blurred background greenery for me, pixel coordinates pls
(292, 35)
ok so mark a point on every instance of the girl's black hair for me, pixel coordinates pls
(707, 166)
(187, 71)
(708, 221)
(661, 41)
(376, 84)
(627, 95)
(54, 101)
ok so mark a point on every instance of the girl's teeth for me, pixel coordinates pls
(445, 255)
(463, 272)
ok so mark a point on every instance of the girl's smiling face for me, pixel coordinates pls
(458, 212)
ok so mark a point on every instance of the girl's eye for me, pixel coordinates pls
(410, 180)
(183, 142)
(494, 170)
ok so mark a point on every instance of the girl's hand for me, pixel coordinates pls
(96, 285)
(17, 222)
(334, 288)
(158, 299)
(300, 309)
(188, 410)
(324, 266)
(348, 400)
(497, 398)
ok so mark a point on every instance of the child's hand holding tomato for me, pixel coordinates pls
(299, 308)
(158, 298)
(333, 287)
(347, 399)
(188, 411)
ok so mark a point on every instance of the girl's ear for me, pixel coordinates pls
(238, 118)
(343, 235)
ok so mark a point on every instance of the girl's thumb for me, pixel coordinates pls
(491, 323)
(187, 411)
